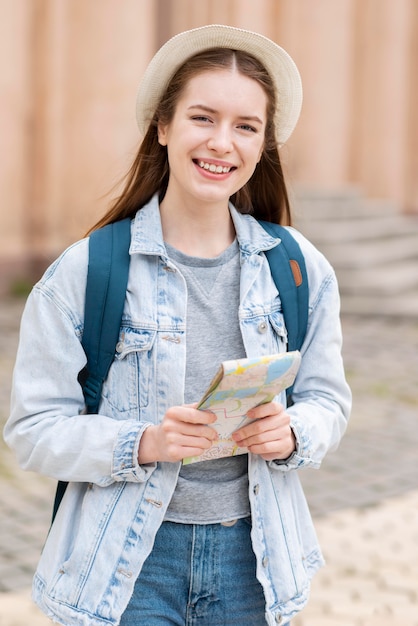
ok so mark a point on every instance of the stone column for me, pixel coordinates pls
(318, 35)
(380, 96)
(15, 124)
(109, 47)
(410, 202)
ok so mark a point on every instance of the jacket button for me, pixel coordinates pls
(265, 561)
(119, 346)
(278, 618)
(256, 489)
(262, 327)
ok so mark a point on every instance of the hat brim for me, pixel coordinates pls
(171, 56)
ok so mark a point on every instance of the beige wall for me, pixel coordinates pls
(69, 71)
(14, 117)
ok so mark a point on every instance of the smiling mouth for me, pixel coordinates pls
(215, 169)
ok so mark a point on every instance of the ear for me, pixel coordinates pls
(162, 134)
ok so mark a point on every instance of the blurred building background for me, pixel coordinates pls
(69, 71)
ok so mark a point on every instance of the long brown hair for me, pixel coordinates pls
(264, 196)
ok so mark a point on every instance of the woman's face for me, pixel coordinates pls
(215, 138)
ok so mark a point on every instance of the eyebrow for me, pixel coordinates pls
(204, 107)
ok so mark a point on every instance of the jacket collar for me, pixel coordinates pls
(147, 236)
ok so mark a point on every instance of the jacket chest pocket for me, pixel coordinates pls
(266, 331)
(127, 385)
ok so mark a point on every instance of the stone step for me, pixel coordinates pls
(373, 248)
(379, 227)
(361, 254)
(404, 306)
(387, 280)
(348, 203)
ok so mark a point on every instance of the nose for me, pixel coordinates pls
(221, 140)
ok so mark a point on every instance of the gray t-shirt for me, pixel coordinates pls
(217, 490)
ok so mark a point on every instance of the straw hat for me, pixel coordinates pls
(171, 56)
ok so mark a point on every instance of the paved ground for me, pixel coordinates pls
(364, 499)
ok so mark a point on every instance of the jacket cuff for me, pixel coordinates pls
(125, 464)
(299, 457)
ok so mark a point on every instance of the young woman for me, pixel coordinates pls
(140, 539)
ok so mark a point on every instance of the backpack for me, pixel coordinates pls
(107, 280)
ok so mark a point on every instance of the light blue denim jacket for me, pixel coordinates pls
(112, 509)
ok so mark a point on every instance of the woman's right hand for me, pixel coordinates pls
(184, 431)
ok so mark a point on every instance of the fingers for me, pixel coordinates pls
(178, 430)
(278, 449)
(184, 431)
(162, 443)
(178, 446)
(265, 410)
(261, 431)
(189, 414)
(266, 417)
(269, 435)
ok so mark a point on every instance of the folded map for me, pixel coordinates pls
(238, 386)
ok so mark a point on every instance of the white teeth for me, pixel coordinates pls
(211, 167)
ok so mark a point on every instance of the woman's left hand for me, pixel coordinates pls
(269, 435)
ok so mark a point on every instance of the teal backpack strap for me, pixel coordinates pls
(107, 280)
(288, 269)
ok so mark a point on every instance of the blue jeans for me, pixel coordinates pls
(198, 575)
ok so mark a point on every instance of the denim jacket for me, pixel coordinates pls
(113, 507)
